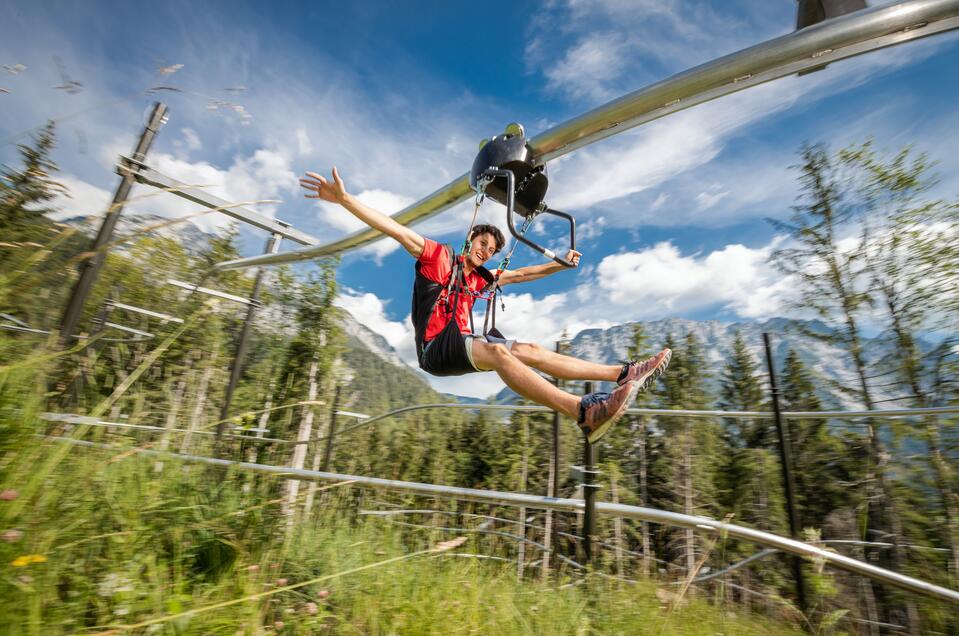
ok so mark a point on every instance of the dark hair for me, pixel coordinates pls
(486, 228)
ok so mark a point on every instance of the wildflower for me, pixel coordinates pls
(9, 494)
(253, 568)
(27, 559)
(12, 536)
(281, 582)
(323, 593)
(311, 608)
(26, 579)
(278, 624)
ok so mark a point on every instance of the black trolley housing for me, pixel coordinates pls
(506, 170)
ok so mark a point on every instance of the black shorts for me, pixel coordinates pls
(451, 352)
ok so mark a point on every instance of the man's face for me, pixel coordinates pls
(482, 248)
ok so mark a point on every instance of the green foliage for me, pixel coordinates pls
(24, 192)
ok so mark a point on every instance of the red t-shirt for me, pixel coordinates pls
(435, 265)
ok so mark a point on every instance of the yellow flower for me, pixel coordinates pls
(27, 559)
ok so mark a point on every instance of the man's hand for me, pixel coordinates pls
(333, 192)
(573, 257)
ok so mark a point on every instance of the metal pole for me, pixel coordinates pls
(785, 460)
(589, 490)
(328, 451)
(272, 245)
(90, 267)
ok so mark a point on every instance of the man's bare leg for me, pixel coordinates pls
(522, 379)
(564, 367)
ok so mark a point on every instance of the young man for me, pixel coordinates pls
(441, 317)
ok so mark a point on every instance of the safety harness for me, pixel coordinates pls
(427, 293)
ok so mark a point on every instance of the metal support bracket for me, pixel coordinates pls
(148, 176)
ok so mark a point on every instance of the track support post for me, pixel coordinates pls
(90, 268)
(590, 488)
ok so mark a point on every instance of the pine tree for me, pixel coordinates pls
(24, 192)
(740, 390)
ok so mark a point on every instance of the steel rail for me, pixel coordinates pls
(69, 418)
(135, 332)
(145, 312)
(209, 292)
(810, 48)
(770, 551)
(793, 415)
(142, 336)
(704, 524)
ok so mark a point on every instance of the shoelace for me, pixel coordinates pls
(589, 400)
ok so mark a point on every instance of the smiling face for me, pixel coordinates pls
(482, 248)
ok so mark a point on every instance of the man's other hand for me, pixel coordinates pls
(573, 257)
(333, 192)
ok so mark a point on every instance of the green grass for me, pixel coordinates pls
(125, 545)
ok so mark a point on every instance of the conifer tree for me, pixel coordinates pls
(740, 390)
(24, 193)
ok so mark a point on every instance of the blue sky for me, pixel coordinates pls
(672, 214)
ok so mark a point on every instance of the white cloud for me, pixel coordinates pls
(188, 142)
(588, 69)
(660, 280)
(84, 199)
(303, 144)
(711, 197)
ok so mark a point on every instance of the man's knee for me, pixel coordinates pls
(527, 350)
(490, 354)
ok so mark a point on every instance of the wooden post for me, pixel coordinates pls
(552, 486)
(302, 437)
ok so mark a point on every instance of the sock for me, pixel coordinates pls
(622, 374)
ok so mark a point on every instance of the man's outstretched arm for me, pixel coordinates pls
(535, 272)
(335, 192)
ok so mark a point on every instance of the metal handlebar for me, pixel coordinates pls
(510, 182)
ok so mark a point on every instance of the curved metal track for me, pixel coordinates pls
(702, 524)
(793, 415)
(813, 47)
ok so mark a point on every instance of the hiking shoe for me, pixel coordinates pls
(645, 372)
(599, 411)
